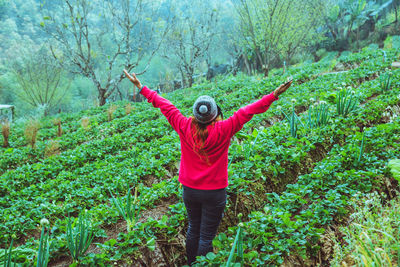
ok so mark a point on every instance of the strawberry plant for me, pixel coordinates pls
(394, 166)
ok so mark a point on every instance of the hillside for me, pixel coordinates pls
(289, 182)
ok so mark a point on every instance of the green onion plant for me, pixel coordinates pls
(360, 154)
(253, 143)
(44, 248)
(80, 237)
(129, 208)
(385, 81)
(7, 257)
(318, 115)
(293, 120)
(345, 102)
(237, 245)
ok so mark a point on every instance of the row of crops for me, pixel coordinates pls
(292, 174)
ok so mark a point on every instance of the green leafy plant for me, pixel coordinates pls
(385, 81)
(345, 102)
(394, 166)
(128, 209)
(80, 237)
(44, 246)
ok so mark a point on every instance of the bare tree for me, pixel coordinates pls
(40, 80)
(276, 29)
(100, 38)
(192, 33)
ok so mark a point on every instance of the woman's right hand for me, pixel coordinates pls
(133, 79)
(282, 88)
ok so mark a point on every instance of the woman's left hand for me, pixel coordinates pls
(282, 88)
(132, 77)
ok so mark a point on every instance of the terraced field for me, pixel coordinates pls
(291, 178)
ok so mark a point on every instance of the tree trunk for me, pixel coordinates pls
(102, 96)
(190, 79)
(5, 143)
(259, 60)
(266, 70)
(183, 79)
(120, 94)
(246, 62)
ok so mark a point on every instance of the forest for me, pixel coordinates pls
(89, 169)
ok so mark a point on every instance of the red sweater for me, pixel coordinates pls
(195, 172)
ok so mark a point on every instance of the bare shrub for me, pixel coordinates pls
(5, 130)
(85, 122)
(57, 122)
(110, 111)
(129, 108)
(31, 130)
(52, 148)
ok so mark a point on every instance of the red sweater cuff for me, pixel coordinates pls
(274, 97)
(145, 91)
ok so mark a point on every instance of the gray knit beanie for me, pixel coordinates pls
(205, 109)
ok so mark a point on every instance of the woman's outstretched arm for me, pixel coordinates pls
(235, 123)
(173, 115)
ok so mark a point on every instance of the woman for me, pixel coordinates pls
(203, 173)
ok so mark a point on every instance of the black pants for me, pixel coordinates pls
(205, 209)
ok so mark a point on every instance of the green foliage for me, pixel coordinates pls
(392, 42)
(345, 16)
(41, 81)
(373, 236)
(80, 237)
(394, 166)
(274, 29)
